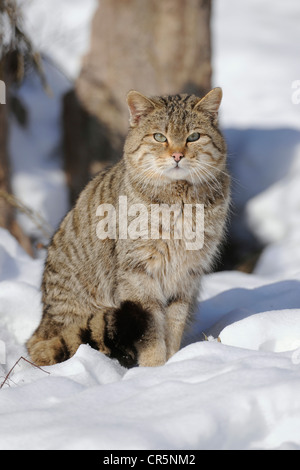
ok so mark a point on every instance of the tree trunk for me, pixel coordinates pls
(155, 47)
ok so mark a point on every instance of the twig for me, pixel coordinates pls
(20, 43)
(34, 216)
(16, 363)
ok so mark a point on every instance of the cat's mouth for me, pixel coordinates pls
(177, 165)
(176, 171)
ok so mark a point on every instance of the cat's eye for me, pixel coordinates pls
(193, 137)
(159, 137)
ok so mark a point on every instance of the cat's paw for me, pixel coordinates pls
(47, 352)
(153, 355)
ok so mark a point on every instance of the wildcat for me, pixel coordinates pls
(131, 298)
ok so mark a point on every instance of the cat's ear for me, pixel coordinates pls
(139, 106)
(211, 102)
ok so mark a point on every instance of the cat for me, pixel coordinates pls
(131, 298)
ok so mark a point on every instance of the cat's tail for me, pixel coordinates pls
(117, 332)
(125, 328)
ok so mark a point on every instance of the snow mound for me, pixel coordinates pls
(238, 394)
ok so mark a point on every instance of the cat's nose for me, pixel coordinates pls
(177, 156)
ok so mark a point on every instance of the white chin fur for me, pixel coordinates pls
(177, 174)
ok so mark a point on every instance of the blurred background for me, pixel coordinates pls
(68, 65)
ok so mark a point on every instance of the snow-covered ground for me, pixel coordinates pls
(240, 393)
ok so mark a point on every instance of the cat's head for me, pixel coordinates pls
(175, 137)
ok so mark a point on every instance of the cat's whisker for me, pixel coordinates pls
(205, 166)
(234, 180)
(208, 179)
(214, 183)
(214, 167)
(203, 173)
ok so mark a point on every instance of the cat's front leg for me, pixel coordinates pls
(139, 324)
(152, 348)
(177, 313)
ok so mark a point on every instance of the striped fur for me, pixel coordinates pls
(131, 299)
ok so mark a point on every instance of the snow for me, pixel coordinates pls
(239, 389)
